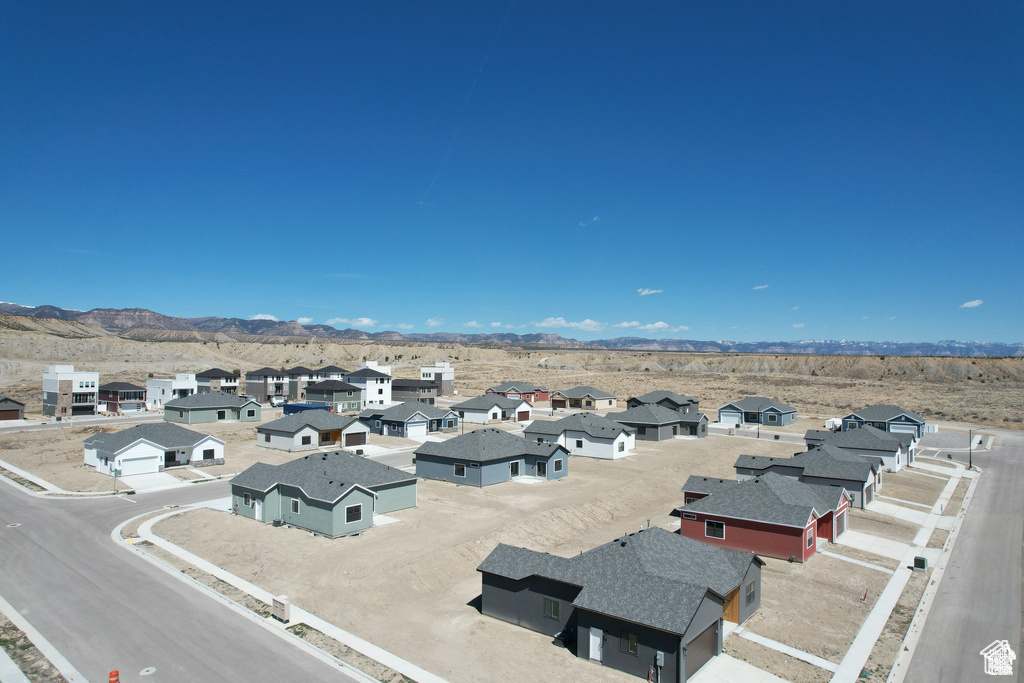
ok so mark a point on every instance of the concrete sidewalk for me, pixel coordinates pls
(726, 669)
(917, 517)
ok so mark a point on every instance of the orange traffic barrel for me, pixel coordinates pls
(115, 676)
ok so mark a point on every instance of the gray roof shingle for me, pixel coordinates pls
(121, 386)
(209, 399)
(320, 420)
(332, 385)
(300, 370)
(593, 425)
(216, 373)
(583, 391)
(884, 413)
(660, 395)
(265, 372)
(868, 438)
(822, 461)
(366, 372)
(403, 412)
(487, 401)
(515, 387)
(770, 498)
(654, 414)
(486, 445)
(759, 404)
(164, 434)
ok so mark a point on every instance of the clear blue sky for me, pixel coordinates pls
(703, 170)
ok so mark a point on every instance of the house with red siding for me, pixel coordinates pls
(771, 515)
(521, 390)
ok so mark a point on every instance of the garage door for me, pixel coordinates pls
(139, 466)
(869, 494)
(840, 523)
(523, 415)
(903, 429)
(417, 429)
(558, 403)
(701, 649)
(729, 418)
(356, 439)
(8, 414)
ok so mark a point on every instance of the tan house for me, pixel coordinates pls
(583, 398)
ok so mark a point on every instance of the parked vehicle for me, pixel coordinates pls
(278, 401)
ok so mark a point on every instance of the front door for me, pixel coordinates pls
(170, 458)
(258, 504)
(596, 644)
(513, 468)
(542, 469)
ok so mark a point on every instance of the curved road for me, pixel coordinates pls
(104, 608)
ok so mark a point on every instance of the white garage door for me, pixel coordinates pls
(729, 418)
(903, 429)
(417, 429)
(147, 465)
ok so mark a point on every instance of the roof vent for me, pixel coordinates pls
(622, 545)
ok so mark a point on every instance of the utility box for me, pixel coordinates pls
(282, 609)
(920, 564)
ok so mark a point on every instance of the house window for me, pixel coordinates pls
(773, 418)
(353, 513)
(247, 500)
(558, 465)
(714, 529)
(378, 423)
(380, 391)
(307, 440)
(810, 537)
(250, 413)
(266, 438)
(751, 594)
(181, 413)
(689, 515)
(550, 608)
(627, 643)
(295, 506)
(208, 454)
(641, 431)
(851, 425)
(622, 446)
(579, 443)
(460, 470)
(325, 437)
(690, 499)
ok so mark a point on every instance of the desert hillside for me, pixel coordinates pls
(983, 390)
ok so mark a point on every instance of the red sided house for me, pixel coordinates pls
(122, 397)
(770, 515)
(520, 390)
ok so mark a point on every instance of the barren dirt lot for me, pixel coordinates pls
(912, 486)
(408, 586)
(877, 524)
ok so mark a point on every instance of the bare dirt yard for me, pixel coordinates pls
(877, 524)
(912, 486)
(410, 586)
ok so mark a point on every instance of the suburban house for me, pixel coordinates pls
(266, 383)
(654, 422)
(69, 393)
(11, 409)
(666, 399)
(216, 379)
(333, 494)
(150, 448)
(416, 390)
(375, 384)
(770, 515)
(309, 429)
(756, 410)
(585, 434)
(331, 372)
(122, 397)
(896, 449)
(825, 465)
(887, 419)
(160, 390)
(212, 406)
(583, 397)
(340, 396)
(299, 378)
(441, 373)
(651, 604)
(490, 456)
(521, 390)
(409, 420)
(490, 408)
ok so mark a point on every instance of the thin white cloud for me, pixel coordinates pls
(434, 322)
(761, 287)
(863, 317)
(403, 326)
(798, 325)
(891, 317)
(587, 325)
(681, 328)
(794, 308)
(971, 304)
(654, 327)
(354, 322)
(472, 323)
(643, 291)
(595, 219)
(304, 321)
(263, 316)
(496, 324)
(630, 323)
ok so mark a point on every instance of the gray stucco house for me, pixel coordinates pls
(212, 406)
(861, 476)
(490, 456)
(666, 399)
(757, 410)
(416, 390)
(11, 409)
(412, 419)
(887, 419)
(624, 603)
(311, 429)
(896, 449)
(333, 494)
(340, 396)
(654, 422)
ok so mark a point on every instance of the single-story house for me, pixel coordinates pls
(770, 515)
(150, 448)
(409, 420)
(11, 409)
(653, 422)
(585, 434)
(216, 379)
(896, 449)
(333, 494)
(309, 429)
(494, 408)
(652, 601)
(212, 406)
(666, 399)
(757, 410)
(827, 465)
(584, 397)
(415, 390)
(886, 418)
(340, 396)
(122, 397)
(490, 456)
(522, 390)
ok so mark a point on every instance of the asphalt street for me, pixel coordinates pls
(104, 608)
(979, 598)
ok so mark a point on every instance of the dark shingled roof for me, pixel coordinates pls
(654, 414)
(332, 385)
(515, 387)
(300, 370)
(593, 425)
(209, 399)
(7, 399)
(486, 445)
(653, 577)
(121, 386)
(163, 434)
(403, 412)
(758, 404)
(656, 396)
(367, 372)
(322, 476)
(488, 401)
(884, 413)
(770, 498)
(266, 372)
(583, 391)
(320, 420)
(868, 438)
(216, 373)
(332, 369)
(823, 461)
(419, 383)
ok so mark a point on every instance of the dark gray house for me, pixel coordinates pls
(11, 409)
(861, 476)
(265, 383)
(216, 379)
(887, 419)
(652, 601)
(666, 399)
(333, 494)
(409, 420)
(653, 422)
(340, 396)
(757, 410)
(896, 449)
(490, 456)
(415, 390)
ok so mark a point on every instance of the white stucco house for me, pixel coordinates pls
(150, 448)
(491, 408)
(585, 434)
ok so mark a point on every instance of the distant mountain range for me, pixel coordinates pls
(145, 325)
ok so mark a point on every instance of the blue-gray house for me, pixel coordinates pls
(887, 419)
(757, 410)
(651, 604)
(490, 456)
(409, 419)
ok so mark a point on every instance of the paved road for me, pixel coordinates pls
(980, 597)
(99, 420)
(104, 608)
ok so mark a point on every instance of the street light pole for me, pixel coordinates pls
(970, 449)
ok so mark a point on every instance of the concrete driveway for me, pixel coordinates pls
(146, 483)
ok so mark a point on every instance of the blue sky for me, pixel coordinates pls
(748, 171)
